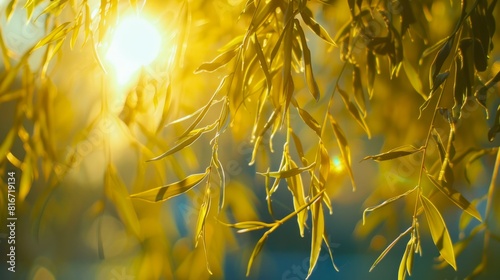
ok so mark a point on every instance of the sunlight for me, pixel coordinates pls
(135, 43)
(337, 165)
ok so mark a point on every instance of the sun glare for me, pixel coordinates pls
(135, 43)
(337, 165)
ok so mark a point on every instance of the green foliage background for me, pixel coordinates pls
(255, 115)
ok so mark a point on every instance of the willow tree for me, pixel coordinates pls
(138, 102)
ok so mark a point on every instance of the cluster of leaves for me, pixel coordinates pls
(261, 79)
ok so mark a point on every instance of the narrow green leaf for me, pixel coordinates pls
(386, 202)
(309, 121)
(56, 34)
(296, 187)
(308, 19)
(353, 110)
(202, 216)
(10, 8)
(496, 126)
(262, 61)
(217, 62)
(402, 264)
(181, 145)
(318, 228)
(382, 255)
(439, 232)
(344, 148)
(359, 96)
(255, 252)
(311, 82)
(371, 70)
(414, 78)
(168, 191)
(288, 172)
(439, 59)
(117, 192)
(394, 153)
(324, 167)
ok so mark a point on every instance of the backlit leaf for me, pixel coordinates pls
(371, 69)
(255, 252)
(190, 139)
(296, 186)
(309, 121)
(439, 60)
(354, 111)
(394, 153)
(439, 232)
(318, 228)
(311, 82)
(382, 255)
(217, 62)
(168, 191)
(117, 192)
(202, 216)
(308, 19)
(456, 198)
(414, 78)
(56, 34)
(357, 87)
(496, 126)
(288, 172)
(344, 148)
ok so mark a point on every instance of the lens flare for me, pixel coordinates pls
(135, 43)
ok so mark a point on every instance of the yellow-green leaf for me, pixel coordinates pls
(394, 153)
(353, 110)
(168, 191)
(255, 252)
(217, 62)
(344, 148)
(439, 231)
(117, 192)
(202, 216)
(56, 34)
(359, 96)
(456, 198)
(308, 19)
(296, 187)
(318, 228)
(414, 78)
(287, 172)
(311, 82)
(309, 121)
(382, 255)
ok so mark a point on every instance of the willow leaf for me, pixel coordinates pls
(296, 186)
(202, 216)
(168, 191)
(311, 82)
(353, 110)
(217, 62)
(496, 126)
(255, 252)
(117, 192)
(183, 144)
(308, 19)
(414, 78)
(439, 232)
(318, 228)
(288, 172)
(357, 87)
(382, 255)
(394, 153)
(386, 202)
(56, 34)
(263, 62)
(344, 148)
(309, 121)
(456, 198)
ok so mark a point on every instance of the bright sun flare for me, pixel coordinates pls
(135, 43)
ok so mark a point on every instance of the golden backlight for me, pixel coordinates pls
(135, 43)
